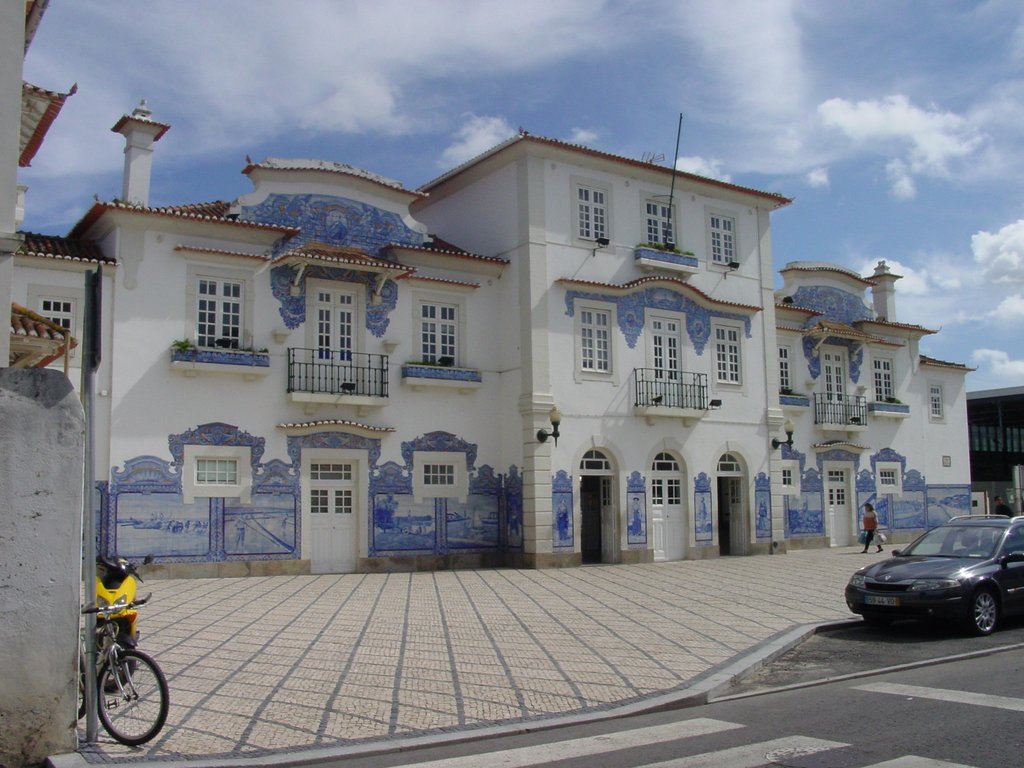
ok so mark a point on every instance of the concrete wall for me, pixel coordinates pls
(41, 459)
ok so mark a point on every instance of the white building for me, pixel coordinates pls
(335, 373)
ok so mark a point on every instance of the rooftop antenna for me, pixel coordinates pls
(672, 188)
(651, 157)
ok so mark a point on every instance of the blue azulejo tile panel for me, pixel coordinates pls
(514, 509)
(265, 527)
(473, 524)
(636, 511)
(763, 505)
(160, 524)
(403, 525)
(947, 501)
(333, 220)
(703, 529)
(561, 511)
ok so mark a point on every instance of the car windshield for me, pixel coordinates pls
(957, 541)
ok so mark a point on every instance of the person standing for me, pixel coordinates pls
(1002, 508)
(870, 524)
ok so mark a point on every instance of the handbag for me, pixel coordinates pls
(863, 537)
(881, 537)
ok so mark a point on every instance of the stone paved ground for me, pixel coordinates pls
(258, 666)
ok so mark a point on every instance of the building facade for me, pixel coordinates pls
(548, 356)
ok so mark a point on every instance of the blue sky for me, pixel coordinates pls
(895, 126)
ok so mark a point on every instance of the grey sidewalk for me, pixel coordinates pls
(263, 666)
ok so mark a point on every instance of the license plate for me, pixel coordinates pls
(881, 600)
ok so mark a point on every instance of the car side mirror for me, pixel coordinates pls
(1011, 557)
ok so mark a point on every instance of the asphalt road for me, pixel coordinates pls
(858, 649)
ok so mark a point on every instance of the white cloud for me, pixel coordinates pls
(921, 142)
(475, 137)
(584, 136)
(901, 183)
(708, 167)
(1010, 310)
(1001, 255)
(818, 177)
(999, 364)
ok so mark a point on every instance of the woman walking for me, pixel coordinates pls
(870, 526)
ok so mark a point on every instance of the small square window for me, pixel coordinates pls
(216, 471)
(438, 474)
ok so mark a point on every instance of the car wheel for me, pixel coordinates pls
(983, 612)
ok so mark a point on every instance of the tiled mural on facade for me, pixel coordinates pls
(333, 220)
(702, 511)
(561, 511)
(146, 513)
(636, 511)
(763, 505)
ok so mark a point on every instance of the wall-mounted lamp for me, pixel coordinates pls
(734, 265)
(556, 418)
(788, 442)
(714, 404)
(602, 242)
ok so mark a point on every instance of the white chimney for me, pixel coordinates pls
(140, 133)
(883, 292)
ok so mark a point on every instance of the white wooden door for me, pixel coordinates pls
(335, 318)
(838, 508)
(667, 523)
(609, 530)
(331, 498)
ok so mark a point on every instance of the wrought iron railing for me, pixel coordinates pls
(337, 372)
(849, 410)
(670, 389)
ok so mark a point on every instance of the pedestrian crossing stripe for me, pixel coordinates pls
(753, 755)
(522, 757)
(942, 694)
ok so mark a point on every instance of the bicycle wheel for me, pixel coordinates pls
(133, 698)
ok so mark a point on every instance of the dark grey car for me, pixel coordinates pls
(969, 570)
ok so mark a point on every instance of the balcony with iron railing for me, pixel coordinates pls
(337, 377)
(844, 413)
(669, 394)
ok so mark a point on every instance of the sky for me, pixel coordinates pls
(896, 127)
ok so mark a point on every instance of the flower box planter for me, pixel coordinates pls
(193, 361)
(889, 410)
(674, 261)
(418, 376)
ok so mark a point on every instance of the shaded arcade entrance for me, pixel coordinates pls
(597, 509)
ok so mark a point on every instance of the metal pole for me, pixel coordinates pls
(90, 360)
(672, 188)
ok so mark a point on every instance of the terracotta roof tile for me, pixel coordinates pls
(63, 248)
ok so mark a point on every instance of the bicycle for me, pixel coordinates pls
(131, 689)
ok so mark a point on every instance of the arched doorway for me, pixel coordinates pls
(732, 529)
(668, 521)
(597, 509)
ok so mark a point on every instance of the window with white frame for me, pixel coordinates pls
(219, 313)
(217, 472)
(62, 306)
(591, 212)
(785, 372)
(722, 238)
(658, 220)
(219, 307)
(439, 333)
(888, 478)
(728, 360)
(440, 474)
(594, 336)
(788, 479)
(331, 489)
(883, 379)
(936, 405)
